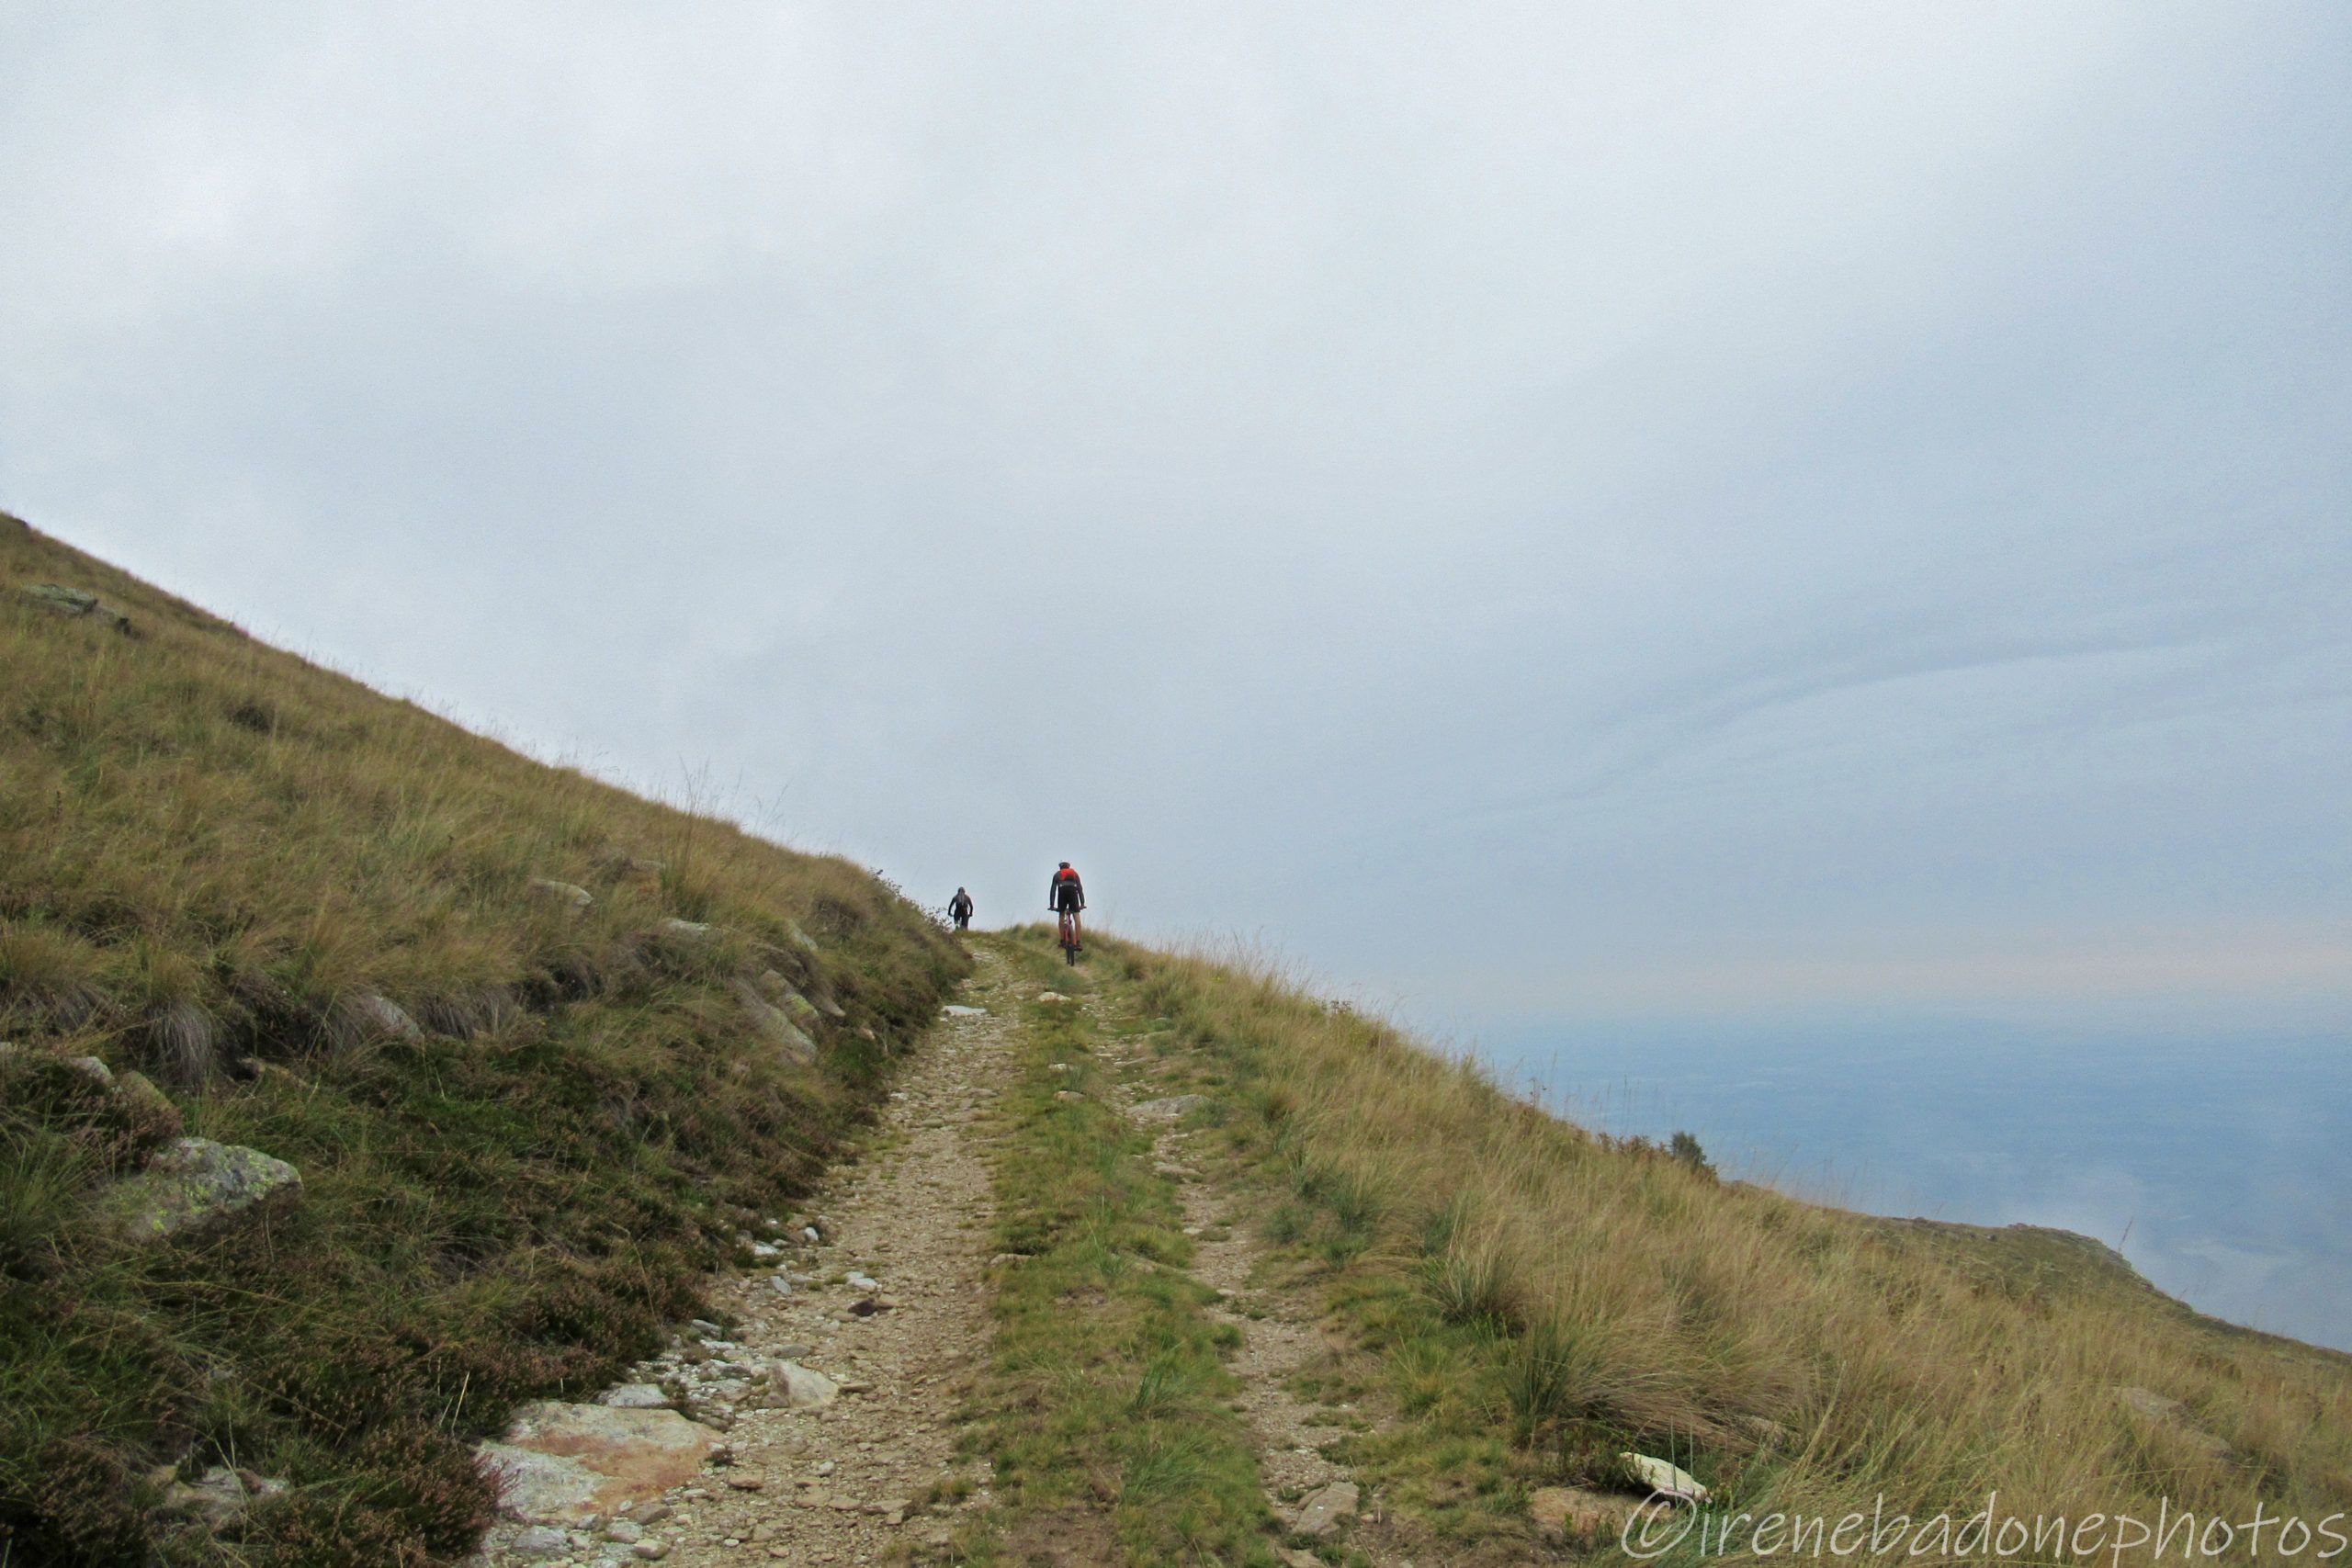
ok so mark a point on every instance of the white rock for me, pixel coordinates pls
(1665, 1480)
(802, 1388)
(954, 1011)
(864, 1283)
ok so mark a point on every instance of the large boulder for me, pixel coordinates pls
(195, 1186)
(561, 1463)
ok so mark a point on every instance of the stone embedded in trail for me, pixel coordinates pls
(862, 1283)
(801, 1388)
(1051, 996)
(1328, 1510)
(539, 1541)
(197, 1187)
(563, 1463)
(635, 1396)
(1175, 1105)
(956, 1010)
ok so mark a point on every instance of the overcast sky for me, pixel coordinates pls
(1548, 509)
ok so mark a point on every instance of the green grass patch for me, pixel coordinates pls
(1109, 1399)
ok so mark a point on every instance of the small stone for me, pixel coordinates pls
(1665, 1480)
(539, 1541)
(745, 1483)
(1067, 1094)
(635, 1396)
(864, 1283)
(779, 1284)
(627, 1532)
(564, 893)
(652, 1551)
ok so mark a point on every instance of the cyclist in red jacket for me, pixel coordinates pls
(1065, 896)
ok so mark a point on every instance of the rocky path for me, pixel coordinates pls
(816, 1427)
(835, 1385)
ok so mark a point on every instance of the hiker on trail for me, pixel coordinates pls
(960, 907)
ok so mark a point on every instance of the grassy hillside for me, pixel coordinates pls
(219, 865)
(1540, 1299)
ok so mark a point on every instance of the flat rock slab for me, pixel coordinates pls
(958, 1011)
(1328, 1510)
(559, 1463)
(1175, 1105)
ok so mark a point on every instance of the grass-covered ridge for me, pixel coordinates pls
(1538, 1299)
(215, 863)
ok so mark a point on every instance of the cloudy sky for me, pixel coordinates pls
(1544, 510)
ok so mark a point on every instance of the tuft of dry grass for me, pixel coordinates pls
(525, 1127)
(1586, 1295)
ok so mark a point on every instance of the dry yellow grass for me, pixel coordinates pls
(216, 862)
(1632, 1300)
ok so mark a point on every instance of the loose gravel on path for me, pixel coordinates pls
(891, 1305)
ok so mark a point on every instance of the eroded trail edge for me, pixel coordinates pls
(835, 1384)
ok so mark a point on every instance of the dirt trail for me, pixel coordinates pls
(844, 1483)
(892, 1306)
(847, 1481)
(1280, 1336)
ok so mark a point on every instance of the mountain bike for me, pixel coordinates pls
(1069, 935)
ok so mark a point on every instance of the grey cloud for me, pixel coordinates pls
(1656, 478)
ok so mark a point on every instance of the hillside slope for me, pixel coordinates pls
(540, 1051)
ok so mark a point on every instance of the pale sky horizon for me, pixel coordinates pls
(1602, 511)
